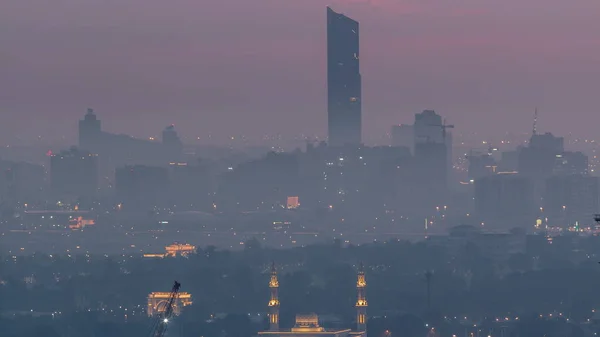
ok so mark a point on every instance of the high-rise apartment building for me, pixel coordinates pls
(343, 80)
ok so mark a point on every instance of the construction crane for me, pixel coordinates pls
(444, 126)
(159, 327)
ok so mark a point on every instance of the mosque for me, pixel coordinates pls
(308, 325)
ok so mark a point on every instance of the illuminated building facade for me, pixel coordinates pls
(80, 223)
(157, 302)
(175, 250)
(308, 325)
(344, 112)
(156, 256)
(180, 249)
(293, 202)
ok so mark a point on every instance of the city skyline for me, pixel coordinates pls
(445, 154)
(142, 71)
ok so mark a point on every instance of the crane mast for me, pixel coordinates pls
(159, 327)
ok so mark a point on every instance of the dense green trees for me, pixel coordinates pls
(317, 278)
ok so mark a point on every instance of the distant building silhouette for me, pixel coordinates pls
(571, 163)
(571, 198)
(427, 127)
(172, 143)
(431, 171)
(192, 186)
(90, 130)
(547, 141)
(403, 135)
(504, 201)
(481, 165)
(538, 160)
(509, 161)
(21, 181)
(74, 173)
(116, 150)
(140, 186)
(343, 80)
(170, 138)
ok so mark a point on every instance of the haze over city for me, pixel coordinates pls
(226, 67)
(299, 168)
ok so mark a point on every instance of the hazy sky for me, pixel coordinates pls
(258, 66)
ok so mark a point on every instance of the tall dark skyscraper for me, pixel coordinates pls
(343, 80)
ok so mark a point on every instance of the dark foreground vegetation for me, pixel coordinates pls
(543, 292)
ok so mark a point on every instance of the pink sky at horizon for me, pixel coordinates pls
(255, 67)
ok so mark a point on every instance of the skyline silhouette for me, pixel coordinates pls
(142, 66)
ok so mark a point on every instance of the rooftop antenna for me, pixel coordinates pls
(535, 116)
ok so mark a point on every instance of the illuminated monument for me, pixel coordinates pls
(157, 302)
(308, 325)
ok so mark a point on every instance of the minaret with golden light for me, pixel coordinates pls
(361, 302)
(274, 301)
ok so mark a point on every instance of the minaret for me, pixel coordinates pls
(361, 302)
(274, 301)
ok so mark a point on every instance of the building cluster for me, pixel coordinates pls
(541, 182)
(411, 180)
(323, 177)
